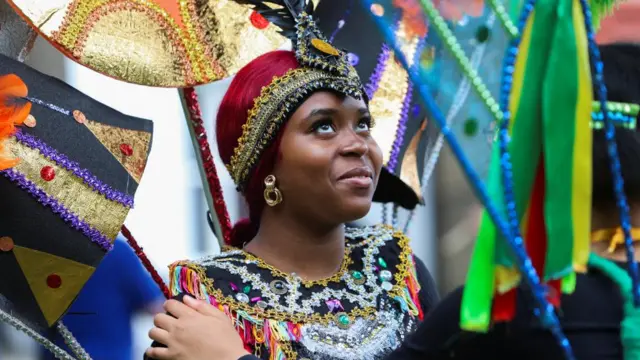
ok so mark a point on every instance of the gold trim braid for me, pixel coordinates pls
(272, 108)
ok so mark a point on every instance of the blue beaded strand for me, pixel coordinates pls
(543, 308)
(539, 291)
(612, 148)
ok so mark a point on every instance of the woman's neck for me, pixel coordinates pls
(292, 246)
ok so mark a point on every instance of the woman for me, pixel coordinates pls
(294, 132)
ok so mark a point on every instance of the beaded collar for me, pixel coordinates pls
(376, 281)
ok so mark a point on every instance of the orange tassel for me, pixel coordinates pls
(11, 113)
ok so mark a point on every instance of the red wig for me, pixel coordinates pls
(235, 106)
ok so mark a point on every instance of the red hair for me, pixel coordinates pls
(232, 114)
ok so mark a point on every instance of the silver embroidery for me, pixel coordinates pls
(365, 339)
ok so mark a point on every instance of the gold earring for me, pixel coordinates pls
(272, 194)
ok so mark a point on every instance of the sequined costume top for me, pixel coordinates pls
(362, 312)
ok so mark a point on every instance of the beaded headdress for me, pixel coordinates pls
(323, 68)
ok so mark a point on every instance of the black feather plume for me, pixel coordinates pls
(281, 13)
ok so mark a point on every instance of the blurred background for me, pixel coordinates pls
(169, 219)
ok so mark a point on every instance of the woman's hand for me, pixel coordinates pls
(196, 331)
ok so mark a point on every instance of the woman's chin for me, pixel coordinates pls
(356, 209)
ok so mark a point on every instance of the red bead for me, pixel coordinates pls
(6, 244)
(54, 281)
(126, 149)
(258, 20)
(47, 173)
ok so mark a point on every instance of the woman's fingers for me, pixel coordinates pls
(203, 307)
(159, 335)
(158, 353)
(177, 309)
(164, 321)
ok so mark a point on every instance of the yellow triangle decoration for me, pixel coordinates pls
(37, 266)
(113, 138)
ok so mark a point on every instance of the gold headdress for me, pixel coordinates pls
(323, 67)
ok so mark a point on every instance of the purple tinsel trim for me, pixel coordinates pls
(402, 127)
(72, 219)
(404, 115)
(84, 174)
(374, 80)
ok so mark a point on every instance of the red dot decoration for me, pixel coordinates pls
(258, 20)
(47, 173)
(126, 149)
(54, 281)
(6, 244)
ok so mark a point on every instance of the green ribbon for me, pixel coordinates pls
(559, 108)
(630, 326)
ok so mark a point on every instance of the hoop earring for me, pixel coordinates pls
(272, 194)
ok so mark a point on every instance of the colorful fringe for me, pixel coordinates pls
(411, 292)
(255, 333)
(276, 336)
(550, 103)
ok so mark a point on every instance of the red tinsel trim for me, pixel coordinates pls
(191, 99)
(145, 261)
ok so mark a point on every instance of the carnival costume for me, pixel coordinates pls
(366, 308)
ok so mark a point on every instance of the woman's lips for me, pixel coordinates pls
(360, 178)
(360, 182)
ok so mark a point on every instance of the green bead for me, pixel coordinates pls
(483, 33)
(344, 319)
(356, 275)
(246, 289)
(382, 262)
(471, 127)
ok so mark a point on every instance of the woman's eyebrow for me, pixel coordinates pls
(363, 111)
(321, 111)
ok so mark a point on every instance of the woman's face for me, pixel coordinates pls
(329, 164)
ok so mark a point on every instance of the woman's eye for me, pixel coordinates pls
(323, 127)
(364, 124)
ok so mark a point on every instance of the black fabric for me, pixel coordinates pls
(248, 357)
(31, 219)
(428, 294)
(590, 318)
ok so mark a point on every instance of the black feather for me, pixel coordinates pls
(281, 13)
